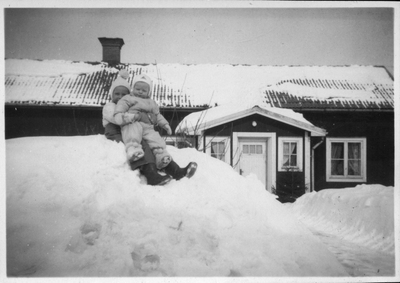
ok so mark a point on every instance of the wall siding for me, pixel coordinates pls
(287, 183)
(27, 121)
(377, 127)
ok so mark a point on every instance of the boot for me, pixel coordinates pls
(178, 173)
(153, 177)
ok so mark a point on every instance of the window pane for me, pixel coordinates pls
(259, 149)
(286, 160)
(290, 154)
(218, 150)
(285, 148)
(354, 150)
(337, 151)
(293, 160)
(252, 149)
(245, 149)
(221, 147)
(354, 168)
(214, 147)
(293, 148)
(337, 167)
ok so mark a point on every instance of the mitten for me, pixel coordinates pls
(130, 118)
(168, 129)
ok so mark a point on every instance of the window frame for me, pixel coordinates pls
(171, 141)
(346, 177)
(226, 141)
(300, 152)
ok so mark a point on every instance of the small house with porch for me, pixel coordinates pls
(297, 128)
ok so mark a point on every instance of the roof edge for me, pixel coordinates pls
(315, 131)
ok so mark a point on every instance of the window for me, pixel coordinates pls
(290, 154)
(170, 141)
(346, 160)
(218, 147)
(218, 150)
(252, 149)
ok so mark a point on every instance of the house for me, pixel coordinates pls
(297, 128)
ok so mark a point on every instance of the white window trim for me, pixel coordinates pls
(227, 146)
(363, 177)
(299, 141)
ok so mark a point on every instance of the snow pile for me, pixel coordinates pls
(363, 215)
(74, 208)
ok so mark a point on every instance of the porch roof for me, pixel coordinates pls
(196, 122)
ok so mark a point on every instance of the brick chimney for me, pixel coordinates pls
(111, 49)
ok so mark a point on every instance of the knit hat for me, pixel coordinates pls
(119, 81)
(143, 78)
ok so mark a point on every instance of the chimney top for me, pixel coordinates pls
(111, 49)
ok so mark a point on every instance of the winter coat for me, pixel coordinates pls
(137, 105)
(108, 113)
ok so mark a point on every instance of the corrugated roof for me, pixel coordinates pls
(86, 84)
(348, 95)
(52, 82)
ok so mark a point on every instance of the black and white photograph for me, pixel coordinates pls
(214, 141)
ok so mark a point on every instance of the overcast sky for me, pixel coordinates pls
(260, 36)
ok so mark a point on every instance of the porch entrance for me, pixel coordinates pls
(253, 158)
(262, 165)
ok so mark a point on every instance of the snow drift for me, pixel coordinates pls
(363, 215)
(74, 208)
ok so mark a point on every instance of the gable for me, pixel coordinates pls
(196, 123)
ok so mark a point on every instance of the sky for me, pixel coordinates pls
(190, 34)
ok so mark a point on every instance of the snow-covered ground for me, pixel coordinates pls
(357, 225)
(75, 209)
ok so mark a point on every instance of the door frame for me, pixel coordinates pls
(270, 138)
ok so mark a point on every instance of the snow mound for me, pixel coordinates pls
(363, 215)
(74, 208)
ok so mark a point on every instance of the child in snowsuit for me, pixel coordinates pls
(119, 88)
(137, 114)
(146, 165)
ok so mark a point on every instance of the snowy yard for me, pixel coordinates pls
(74, 208)
(356, 224)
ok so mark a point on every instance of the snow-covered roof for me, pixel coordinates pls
(196, 122)
(52, 82)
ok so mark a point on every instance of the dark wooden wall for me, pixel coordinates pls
(377, 127)
(287, 183)
(25, 121)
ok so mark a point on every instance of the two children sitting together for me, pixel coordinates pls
(130, 117)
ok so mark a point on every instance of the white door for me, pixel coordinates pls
(253, 158)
